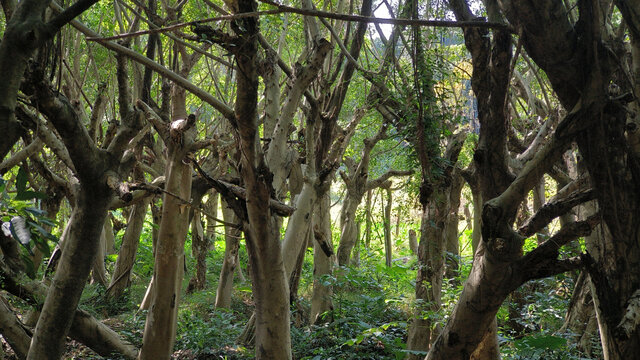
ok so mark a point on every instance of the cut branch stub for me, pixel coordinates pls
(121, 188)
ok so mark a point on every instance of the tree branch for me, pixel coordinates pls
(20, 156)
(542, 261)
(68, 15)
(553, 209)
(225, 110)
(236, 193)
(378, 182)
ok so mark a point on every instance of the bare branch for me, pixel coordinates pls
(234, 191)
(161, 127)
(21, 155)
(225, 110)
(380, 181)
(138, 195)
(542, 261)
(68, 15)
(48, 135)
(553, 209)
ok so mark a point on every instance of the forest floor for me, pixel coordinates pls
(372, 304)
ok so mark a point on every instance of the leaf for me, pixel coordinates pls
(20, 232)
(541, 342)
(21, 181)
(35, 211)
(6, 228)
(43, 231)
(28, 195)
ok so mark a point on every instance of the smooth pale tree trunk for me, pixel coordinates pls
(413, 241)
(355, 261)
(367, 223)
(298, 225)
(98, 271)
(109, 237)
(348, 235)
(200, 242)
(476, 233)
(230, 262)
(323, 263)
(148, 295)
(388, 248)
(161, 324)
(156, 214)
(199, 247)
(121, 277)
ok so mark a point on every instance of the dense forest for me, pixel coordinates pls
(362, 179)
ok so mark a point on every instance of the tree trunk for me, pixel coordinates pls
(261, 227)
(431, 251)
(200, 242)
(581, 319)
(476, 233)
(161, 324)
(230, 262)
(451, 226)
(13, 331)
(388, 249)
(200, 249)
(80, 248)
(413, 241)
(348, 235)
(121, 277)
(367, 224)
(98, 271)
(355, 261)
(323, 260)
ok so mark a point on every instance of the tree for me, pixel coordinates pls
(500, 251)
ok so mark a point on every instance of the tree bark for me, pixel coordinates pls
(13, 331)
(388, 248)
(200, 243)
(367, 222)
(451, 226)
(71, 274)
(230, 262)
(413, 241)
(121, 277)
(25, 32)
(323, 260)
(161, 324)
(436, 213)
(261, 227)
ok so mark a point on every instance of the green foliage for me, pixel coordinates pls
(211, 332)
(528, 327)
(24, 221)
